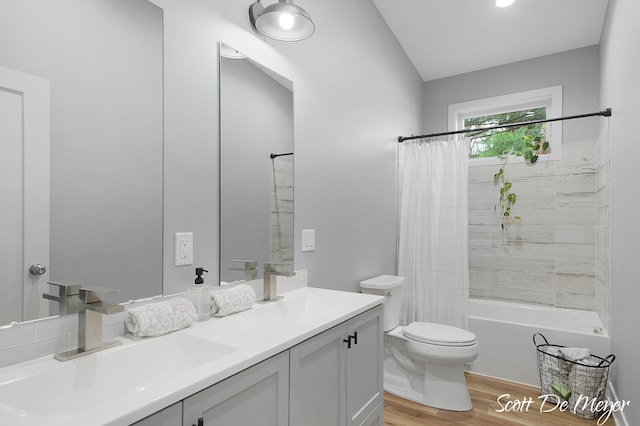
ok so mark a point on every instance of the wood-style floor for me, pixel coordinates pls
(484, 392)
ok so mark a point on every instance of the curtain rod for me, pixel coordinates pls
(272, 156)
(603, 113)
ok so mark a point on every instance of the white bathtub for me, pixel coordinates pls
(505, 331)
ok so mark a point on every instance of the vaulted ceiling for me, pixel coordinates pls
(448, 37)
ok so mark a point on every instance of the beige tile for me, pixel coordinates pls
(528, 280)
(575, 234)
(586, 252)
(528, 250)
(483, 279)
(578, 267)
(575, 284)
(516, 295)
(498, 263)
(575, 301)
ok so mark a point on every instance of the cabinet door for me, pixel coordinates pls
(364, 366)
(375, 418)
(318, 393)
(170, 416)
(258, 395)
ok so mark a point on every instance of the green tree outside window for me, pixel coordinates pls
(510, 140)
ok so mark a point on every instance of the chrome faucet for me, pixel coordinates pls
(250, 271)
(270, 280)
(92, 308)
(66, 295)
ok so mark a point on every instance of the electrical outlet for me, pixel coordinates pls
(308, 239)
(184, 248)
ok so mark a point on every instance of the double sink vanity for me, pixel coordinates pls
(311, 358)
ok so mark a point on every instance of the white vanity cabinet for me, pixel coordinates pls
(258, 395)
(312, 358)
(170, 416)
(336, 376)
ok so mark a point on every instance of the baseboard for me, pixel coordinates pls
(618, 416)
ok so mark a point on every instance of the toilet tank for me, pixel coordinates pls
(389, 286)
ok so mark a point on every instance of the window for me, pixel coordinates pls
(509, 109)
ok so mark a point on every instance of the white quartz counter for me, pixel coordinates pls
(124, 384)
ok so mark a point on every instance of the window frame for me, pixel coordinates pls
(549, 97)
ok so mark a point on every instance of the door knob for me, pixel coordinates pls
(37, 269)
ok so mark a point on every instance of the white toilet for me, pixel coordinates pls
(424, 362)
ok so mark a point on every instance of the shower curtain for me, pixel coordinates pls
(432, 235)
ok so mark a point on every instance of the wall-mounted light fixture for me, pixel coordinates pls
(282, 21)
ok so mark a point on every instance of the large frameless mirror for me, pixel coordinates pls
(96, 217)
(256, 167)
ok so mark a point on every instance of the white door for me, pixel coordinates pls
(24, 194)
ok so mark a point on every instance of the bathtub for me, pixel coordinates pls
(504, 331)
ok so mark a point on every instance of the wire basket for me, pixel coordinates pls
(581, 383)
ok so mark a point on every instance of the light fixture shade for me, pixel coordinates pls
(504, 3)
(282, 21)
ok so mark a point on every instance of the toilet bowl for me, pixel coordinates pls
(424, 362)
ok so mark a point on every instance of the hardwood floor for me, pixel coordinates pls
(484, 392)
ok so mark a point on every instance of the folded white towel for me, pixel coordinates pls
(231, 300)
(156, 319)
(574, 354)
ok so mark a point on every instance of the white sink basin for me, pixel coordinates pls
(53, 390)
(299, 310)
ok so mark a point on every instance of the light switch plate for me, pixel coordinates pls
(184, 248)
(308, 239)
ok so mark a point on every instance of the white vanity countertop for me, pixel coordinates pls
(122, 385)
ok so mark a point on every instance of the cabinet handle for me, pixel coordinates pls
(348, 340)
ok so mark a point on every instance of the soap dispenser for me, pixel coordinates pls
(200, 296)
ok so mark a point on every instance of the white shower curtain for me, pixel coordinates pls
(433, 235)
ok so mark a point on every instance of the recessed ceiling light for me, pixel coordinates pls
(504, 3)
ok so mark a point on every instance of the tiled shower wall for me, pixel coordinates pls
(282, 210)
(549, 257)
(603, 229)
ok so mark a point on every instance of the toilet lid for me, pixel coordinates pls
(439, 334)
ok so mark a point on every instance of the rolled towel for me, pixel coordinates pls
(156, 319)
(231, 300)
(574, 354)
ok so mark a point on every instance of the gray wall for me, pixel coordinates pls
(576, 70)
(355, 92)
(619, 89)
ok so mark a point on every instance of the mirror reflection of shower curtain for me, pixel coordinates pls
(282, 210)
(433, 231)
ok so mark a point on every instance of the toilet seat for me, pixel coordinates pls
(439, 334)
